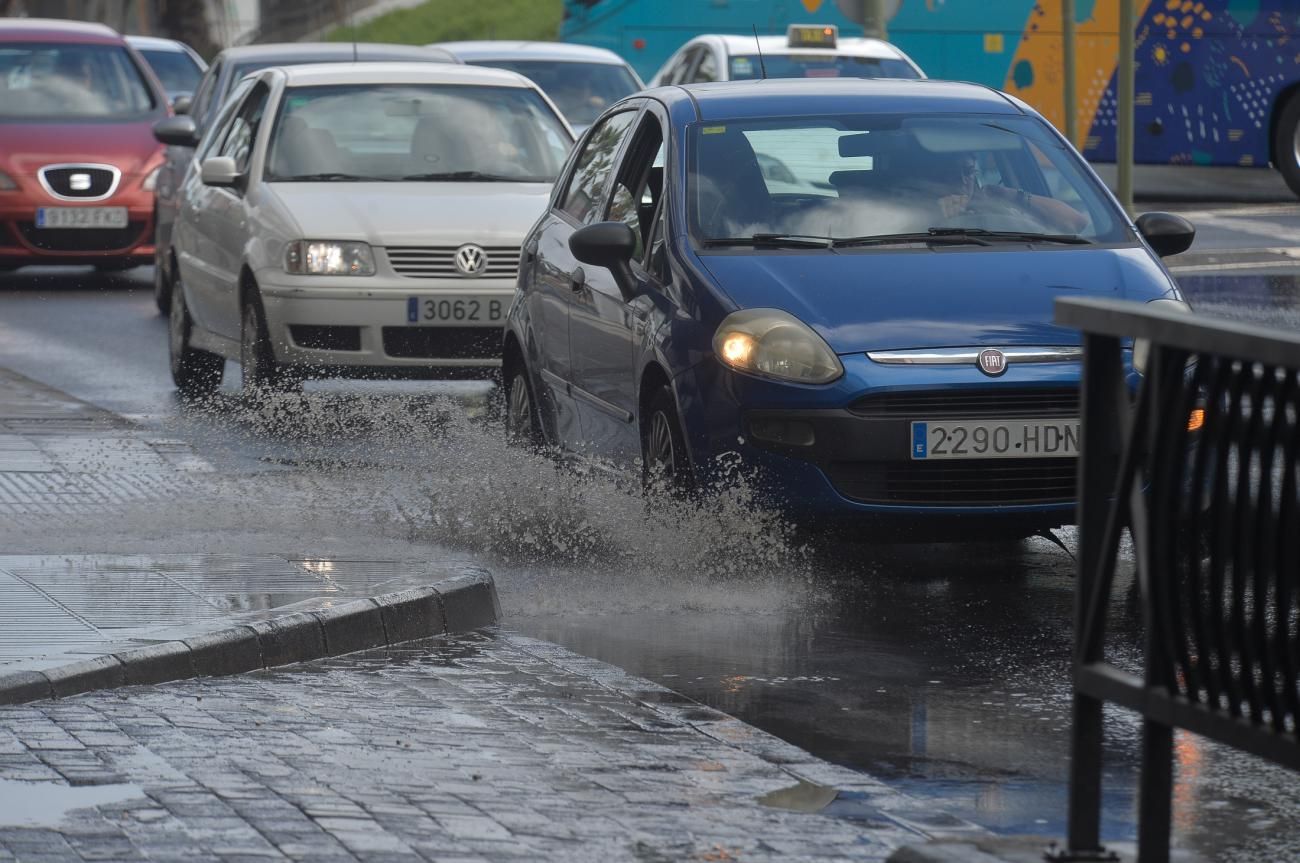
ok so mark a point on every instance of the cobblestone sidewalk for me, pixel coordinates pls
(478, 748)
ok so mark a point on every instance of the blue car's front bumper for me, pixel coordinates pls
(844, 449)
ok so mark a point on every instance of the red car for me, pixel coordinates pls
(78, 160)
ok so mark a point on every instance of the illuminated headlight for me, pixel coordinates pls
(7, 183)
(775, 344)
(325, 258)
(1141, 347)
(151, 180)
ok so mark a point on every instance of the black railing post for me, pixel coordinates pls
(1103, 377)
(1204, 468)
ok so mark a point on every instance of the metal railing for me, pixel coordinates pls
(1202, 469)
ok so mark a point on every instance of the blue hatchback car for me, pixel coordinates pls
(846, 284)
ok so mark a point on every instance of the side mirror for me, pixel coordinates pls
(219, 171)
(610, 245)
(1168, 234)
(181, 105)
(178, 131)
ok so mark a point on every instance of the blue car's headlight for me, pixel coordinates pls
(775, 344)
(1141, 347)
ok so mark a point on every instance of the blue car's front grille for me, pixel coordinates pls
(991, 482)
(990, 402)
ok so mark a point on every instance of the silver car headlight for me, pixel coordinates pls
(775, 344)
(7, 183)
(328, 258)
(1141, 347)
(151, 181)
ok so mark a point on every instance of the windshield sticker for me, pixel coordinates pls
(714, 130)
(741, 67)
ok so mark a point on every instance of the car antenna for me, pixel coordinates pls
(762, 67)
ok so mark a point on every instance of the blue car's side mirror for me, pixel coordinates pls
(610, 245)
(1168, 234)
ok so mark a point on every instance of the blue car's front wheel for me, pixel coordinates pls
(663, 446)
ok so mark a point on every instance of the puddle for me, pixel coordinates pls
(44, 804)
(804, 797)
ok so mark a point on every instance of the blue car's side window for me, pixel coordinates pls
(585, 195)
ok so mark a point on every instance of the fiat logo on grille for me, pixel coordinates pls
(992, 362)
(471, 259)
(79, 182)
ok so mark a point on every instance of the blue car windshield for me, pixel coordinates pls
(876, 176)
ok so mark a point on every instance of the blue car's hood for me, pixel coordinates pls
(926, 299)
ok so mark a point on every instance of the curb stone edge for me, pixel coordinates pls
(458, 604)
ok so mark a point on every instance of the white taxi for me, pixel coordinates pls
(805, 51)
(359, 220)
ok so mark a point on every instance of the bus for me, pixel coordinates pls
(1218, 81)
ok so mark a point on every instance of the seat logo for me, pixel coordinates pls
(992, 362)
(471, 259)
(79, 182)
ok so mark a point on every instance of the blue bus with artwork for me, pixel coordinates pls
(1218, 81)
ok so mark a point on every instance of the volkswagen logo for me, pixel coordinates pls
(79, 182)
(471, 259)
(992, 362)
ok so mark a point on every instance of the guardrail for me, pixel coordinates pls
(1203, 472)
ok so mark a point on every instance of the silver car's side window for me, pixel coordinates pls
(238, 144)
(586, 192)
(213, 137)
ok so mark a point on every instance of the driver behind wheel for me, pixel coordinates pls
(960, 177)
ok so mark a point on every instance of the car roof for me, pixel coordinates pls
(156, 43)
(505, 49)
(774, 97)
(306, 52)
(861, 46)
(57, 30)
(400, 73)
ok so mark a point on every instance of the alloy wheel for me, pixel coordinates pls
(661, 455)
(519, 412)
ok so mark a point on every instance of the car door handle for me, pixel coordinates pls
(578, 280)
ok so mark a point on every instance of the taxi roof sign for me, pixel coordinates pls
(812, 35)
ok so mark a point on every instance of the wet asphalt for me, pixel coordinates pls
(941, 668)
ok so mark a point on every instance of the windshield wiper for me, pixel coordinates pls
(942, 238)
(331, 175)
(474, 176)
(1014, 236)
(761, 240)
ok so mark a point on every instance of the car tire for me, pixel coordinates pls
(163, 285)
(1286, 143)
(664, 459)
(522, 423)
(259, 370)
(195, 372)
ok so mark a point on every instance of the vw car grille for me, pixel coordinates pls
(439, 262)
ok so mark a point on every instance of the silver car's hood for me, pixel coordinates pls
(414, 214)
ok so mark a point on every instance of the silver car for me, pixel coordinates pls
(583, 80)
(359, 220)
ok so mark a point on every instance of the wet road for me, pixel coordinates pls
(941, 668)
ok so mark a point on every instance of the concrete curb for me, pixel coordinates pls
(459, 604)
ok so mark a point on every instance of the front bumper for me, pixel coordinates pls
(845, 449)
(24, 244)
(361, 325)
